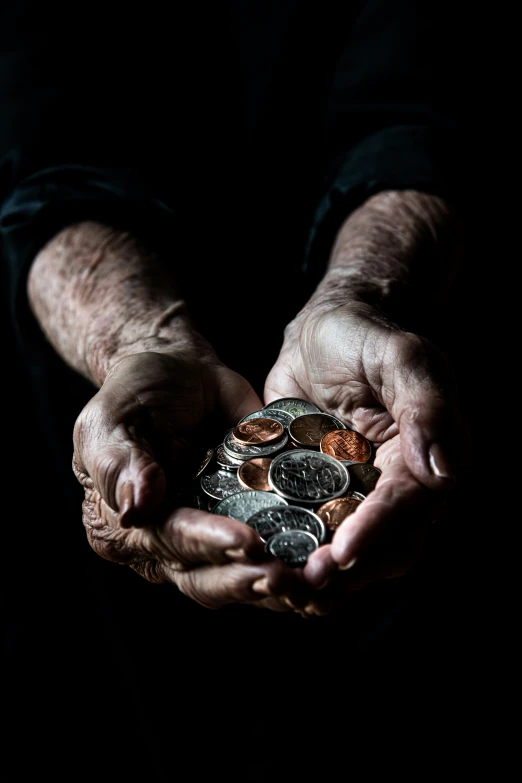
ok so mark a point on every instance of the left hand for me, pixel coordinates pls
(396, 389)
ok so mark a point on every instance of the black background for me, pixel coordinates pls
(96, 688)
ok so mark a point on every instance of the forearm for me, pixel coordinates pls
(99, 296)
(398, 252)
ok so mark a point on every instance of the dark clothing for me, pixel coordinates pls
(235, 138)
(222, 119)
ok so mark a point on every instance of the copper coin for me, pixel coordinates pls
(333, 512)
(346, 445)
(309, 429)
(206, 459)
(253, 474)
(363, 478)
(254, 431)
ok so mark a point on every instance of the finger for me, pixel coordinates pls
(215, 586)
(434, 434)
(378, 564)
(398, 503)
(382, 563)
(191, 537)
(187, 538)
(227, 581)
(196, 537)
(319, 567)
(119, 465)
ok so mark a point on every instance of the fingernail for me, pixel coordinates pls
(349, 564)
(236, 554)
(126, 504)
(240, 555)
(126, 500)
(318, 610)
(439, 463)
(288, 601)
(261, 586)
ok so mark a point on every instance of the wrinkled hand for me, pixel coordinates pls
(136, 443)
(396, 389)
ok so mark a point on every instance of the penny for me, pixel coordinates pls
(307, 477)
(269, 521)
(363, 477)
(292, 546)
(294, 405)
(243, 452)
(270, 413)
(253, 474)
(220, 484)
(334, 512)
(206, 459)
(346, 445)
(242, 505)
(258, 431)
(309, 429)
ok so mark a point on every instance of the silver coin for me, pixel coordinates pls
(292, 546)
(275, 519)
(308, 477)
(226, 462)
(243, 452)
(220, 484)
(356, 495)
(293, 405)
(272, 413)
(242, 505)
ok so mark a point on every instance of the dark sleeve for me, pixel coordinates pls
(75, 139)
(393, 118)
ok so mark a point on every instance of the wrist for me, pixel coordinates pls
(99, 296)
(397, 254)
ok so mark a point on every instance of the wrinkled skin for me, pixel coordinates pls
(133, 450)
(133, 444)
(397, 390)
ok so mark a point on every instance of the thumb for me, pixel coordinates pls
(111, 461)
(435, 438)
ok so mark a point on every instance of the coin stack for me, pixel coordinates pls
(291, 472)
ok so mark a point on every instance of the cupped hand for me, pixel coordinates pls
(398, 390)
(137, 444)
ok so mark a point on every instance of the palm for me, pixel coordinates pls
(395, 388)
(340, 368)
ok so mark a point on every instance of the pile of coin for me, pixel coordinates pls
(291, 472)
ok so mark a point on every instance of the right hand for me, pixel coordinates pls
(135, 444)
